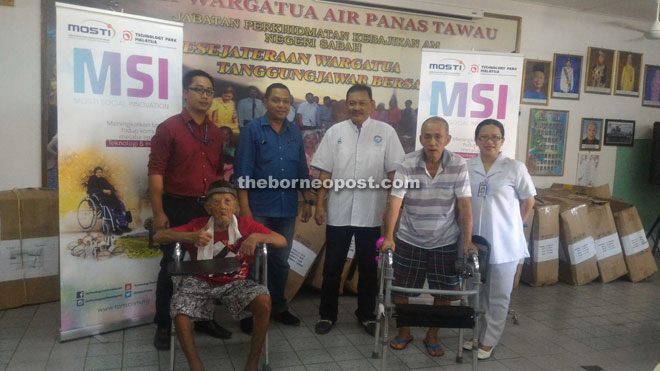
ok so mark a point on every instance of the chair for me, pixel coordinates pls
(217, 266)
(466, 315)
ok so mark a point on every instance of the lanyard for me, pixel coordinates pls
(206, 134)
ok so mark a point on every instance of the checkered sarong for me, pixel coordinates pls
(413, 265)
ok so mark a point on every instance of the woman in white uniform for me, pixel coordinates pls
(502, 197)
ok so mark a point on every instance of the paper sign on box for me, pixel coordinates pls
(301, 258)
(545, 250)
(634, 242)
(608, 246)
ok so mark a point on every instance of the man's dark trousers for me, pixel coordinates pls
(338, 241)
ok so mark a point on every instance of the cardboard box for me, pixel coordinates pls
(601, 191)
(308, 240)
(637, 254)
(578, 263)
(527, 231)
(516, 278)
(542, 267)
(611, 264)
(29, 247)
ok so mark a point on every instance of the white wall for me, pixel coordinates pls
(544, 32)
(20, 95)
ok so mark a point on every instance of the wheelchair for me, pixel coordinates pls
(472, 270)
(90, 211)
(179, 268)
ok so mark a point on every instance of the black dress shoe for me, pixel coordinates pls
(162, 338)
(368, 326)
(323, 326)
(212, 329)
(286, 318)
(247, 325)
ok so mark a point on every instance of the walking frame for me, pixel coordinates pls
(466, 315)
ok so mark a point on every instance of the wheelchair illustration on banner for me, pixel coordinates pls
(102, 204)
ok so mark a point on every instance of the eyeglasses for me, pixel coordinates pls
(494, 138)
(202, 91)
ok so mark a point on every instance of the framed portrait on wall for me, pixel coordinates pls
(628, 72)
(591, 134)
(651, 96)
(536, 82)
(546, 142)
(598, 75)
(619, 132)
(566, 76)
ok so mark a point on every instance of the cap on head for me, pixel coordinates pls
(221, 186)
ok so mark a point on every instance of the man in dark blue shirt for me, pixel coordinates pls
(270, 165)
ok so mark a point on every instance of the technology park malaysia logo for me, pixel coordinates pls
(448, 65)
(93, 28)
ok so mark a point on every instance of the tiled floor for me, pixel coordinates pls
(614, 326)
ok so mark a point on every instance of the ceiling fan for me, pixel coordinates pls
(654, 32)
(649, 34)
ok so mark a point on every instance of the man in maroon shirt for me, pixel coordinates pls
(186, 156)
(223, 234)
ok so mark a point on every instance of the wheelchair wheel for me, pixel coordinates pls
(87, 215)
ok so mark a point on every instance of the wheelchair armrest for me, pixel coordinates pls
(203, 267)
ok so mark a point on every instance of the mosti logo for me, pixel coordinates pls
(448, 64)
(93, 27)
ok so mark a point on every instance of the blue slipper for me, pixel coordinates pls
(432, 349)
(400, 342)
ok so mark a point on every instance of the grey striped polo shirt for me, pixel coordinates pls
(428, 217)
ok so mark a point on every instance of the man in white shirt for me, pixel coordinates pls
(306, 114)
(359, 149)
(250, 108)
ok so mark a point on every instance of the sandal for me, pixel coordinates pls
(400, 344)
(433, 350)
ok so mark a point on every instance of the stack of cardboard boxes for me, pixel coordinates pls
(593, 232)
(29, 247)
(575, 235)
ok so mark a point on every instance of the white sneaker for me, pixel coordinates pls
(485, 354)
(482, 354)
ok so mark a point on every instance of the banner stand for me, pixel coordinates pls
(118, 78)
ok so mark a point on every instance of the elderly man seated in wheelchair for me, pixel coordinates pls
(97, 185)
(220, 235)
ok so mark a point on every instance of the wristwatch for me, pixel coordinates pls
(310, 202)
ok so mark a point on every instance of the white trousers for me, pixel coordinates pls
(495, 299)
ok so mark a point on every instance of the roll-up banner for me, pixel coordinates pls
(465, 88)
(118, 77)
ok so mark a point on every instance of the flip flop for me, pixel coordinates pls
(400, 342)
(432, 349)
